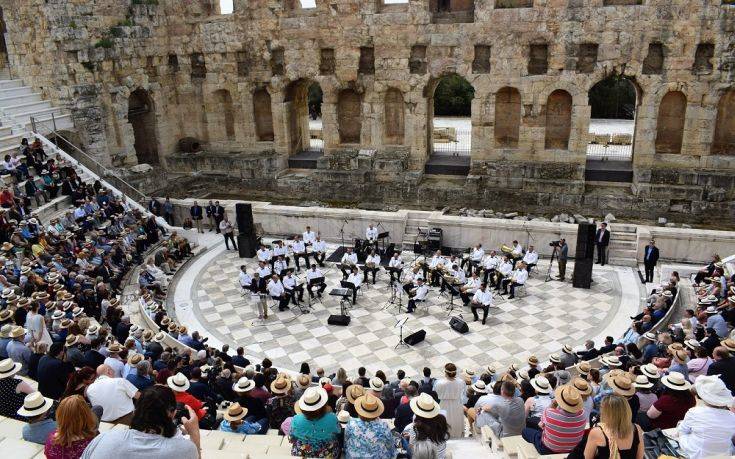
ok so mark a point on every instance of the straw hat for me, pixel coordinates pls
(172, 327)
(7, 246)
(114, 348)
(713, 391)
(569, 399)
(76, 312)
(280, 385)
(71, 340)
(622, 385)
(5, 315)
(611, 361)
(424, 406)
(554, 358)
(354, 392)
(147, 335)
(513, 367)
(650, 371)
(343, 417)
(693, 344)
(728, 344)
(642, 382)
(541, 385)
(584, 368)
(165, 321)
(675, 380)
(567, 349)
(674, 347)
(533, 361)
(135, 359)
(479, 387)
(681, 356)
(8, 368)
(712, 310)
(369, 406)
(650, 336)
(522, 373)
(376, 384)
(243, 385)
(50, 306)
(159, 337)
(17, 332)
(313, 399)
(5, 330)
(303, 381)
(582, 386)
(491, 369)
(178, 382)
(35, 404)
(93, 330)
(235, 412)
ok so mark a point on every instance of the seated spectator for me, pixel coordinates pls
(562, 424)
(429, 428)
(36, 411)
(255, 406)
(179, 384)
(615, 435)
(368, 436)
(672, 404)
(18, 351)
(314, 431)
(235, 421)
(12, 390)
(152, 432)
(723, 366)
(646, 397)
(403, 413)
(79, 381)
(504, 414)
(141, 379)
(281, 406)
(707, 429)
(585, 389)
(700, 362)
(536, 405)
(114, 395)
(352, 393)
(76, 426)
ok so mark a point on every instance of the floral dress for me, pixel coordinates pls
(369, 440)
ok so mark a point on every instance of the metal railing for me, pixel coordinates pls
(452, 142)
(607, 152)
(50, 130)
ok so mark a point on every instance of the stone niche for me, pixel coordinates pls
(653, 64)
(349, 116)
(366, 66)
(394, 117)
(587, 58)
(538, 59)
(417, 62)
(507, 117)
(278, 62)
(621, 2)
(703, 59)
(452, 11)
(481, 61)
(198, 65)
(326, 61)
(173, 63)
(670, 124)
(263, 115)
(558, 120)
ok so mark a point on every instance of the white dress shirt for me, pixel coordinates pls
(319, 246)
(313, 274)
(114, 395)
(484, 298)
(298, 247)
(279, 266)
(460, 275)
(520, 276)
(245, 279)
(289, 282)
(477, 254)
(264, 255)
(421, 292)
(309, 237)
(275, 288)
(706, 432)
(492, 262)
(530, 258)
(506, 268)
(436, 261)
(280, 250)
(395, 262)
(354, 279)
(373, 259)
(265, 271)
(349, 258)
(371, 234)
(472, 284)
(517, 250)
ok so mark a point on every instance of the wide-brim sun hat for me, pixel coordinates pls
(354, 392)
(584, 368)
(243, 385)
(713, 391)
(35, 404)
(569, 399)
(642, 382)
(650, 371)
(541, 385)
(611, 361)
(582, 386)
(313, 399)
(676, 381)
(235, 412)
(280, 386)
(369, 406)
(554, 358)
(376, 384)
(424, 406)
(567, 349)
(622, 385)
(8, 368)
(178, 382)
(479, 387)
(728, 344)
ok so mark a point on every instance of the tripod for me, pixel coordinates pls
(401, 341)
(551, 262)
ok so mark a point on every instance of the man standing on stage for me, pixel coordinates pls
(650, 258)
(563, 256)
(602, 240)
(197, 214)
(219, 214)
(228, 231)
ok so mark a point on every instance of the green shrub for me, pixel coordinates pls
(104, 43)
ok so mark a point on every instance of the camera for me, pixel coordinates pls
(555, 243)
(181, 412)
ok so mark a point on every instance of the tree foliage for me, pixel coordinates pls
(453, 96)
(613, 98)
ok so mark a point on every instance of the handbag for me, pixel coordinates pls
(656, 444)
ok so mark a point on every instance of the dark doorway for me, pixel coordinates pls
(142, 115)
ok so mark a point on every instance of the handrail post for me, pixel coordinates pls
(33, 125)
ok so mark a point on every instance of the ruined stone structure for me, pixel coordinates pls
(139, 76)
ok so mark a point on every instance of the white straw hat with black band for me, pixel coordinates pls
(425, 406)
(178, 382)
(313, 399)
(35, 404)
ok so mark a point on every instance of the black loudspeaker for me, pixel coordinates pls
(247, 245)
(459, 325)
(585, 241)
(582, 277)
(338, 319)
(244, 215)
(415, 338)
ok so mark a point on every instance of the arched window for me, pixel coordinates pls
(558, 120)
(263, 115)
(394, 117)
(670, 124)
(507, 117)
(349, 116)
(724, 140)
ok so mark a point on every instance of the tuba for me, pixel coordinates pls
(506, 250)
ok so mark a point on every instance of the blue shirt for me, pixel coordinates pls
(369, 440)
(717, 322)
(139, 381)
(39, 431)
(247, 428)
(323, 429)
(649, 352)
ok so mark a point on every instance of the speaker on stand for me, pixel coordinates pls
(247, 241)
(584, 255)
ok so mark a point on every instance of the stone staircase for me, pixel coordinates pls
(415, 220)
(623, 245)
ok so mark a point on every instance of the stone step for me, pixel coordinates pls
(623, 236)
(15, 91)
(39, 115)
(623, 244)
(623, 262)
(16, 99)
(11, 140)
(6, 84)
(27, 107)
(62, 120)
(623, 228)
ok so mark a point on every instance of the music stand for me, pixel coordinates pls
(317, 281)
(400, 324)
(349, 286)
(396, 296)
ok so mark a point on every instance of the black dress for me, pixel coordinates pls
(603, 452)
(10, 400)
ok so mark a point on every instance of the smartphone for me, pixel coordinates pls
(181, 412)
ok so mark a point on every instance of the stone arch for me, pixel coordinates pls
(723, 142)
(349, 116)
(297, 111)
(507, 117)
(263, 115)
(462, 107)
(224, 112)
(394, 120)
(142, 116)
(670, 122)
(558, 120)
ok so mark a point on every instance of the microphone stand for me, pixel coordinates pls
(342, 232)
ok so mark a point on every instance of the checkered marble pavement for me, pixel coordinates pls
(547, 316)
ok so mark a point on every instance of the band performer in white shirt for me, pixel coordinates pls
(417, 294)
(319, 251)
(349, 259)
(315, 273)
(482, 299)
(309, 236)
(278, 292)
(354, 279)
(372, 266)
(299, 251)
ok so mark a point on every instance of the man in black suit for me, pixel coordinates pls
(197, 214)
(650, 258)
(589, 352)
(609, 345)
(602, 240)
(218, 214)
(210, 215)
(724, 367)
(154, 207)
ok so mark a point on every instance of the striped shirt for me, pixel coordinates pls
(562, 430)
